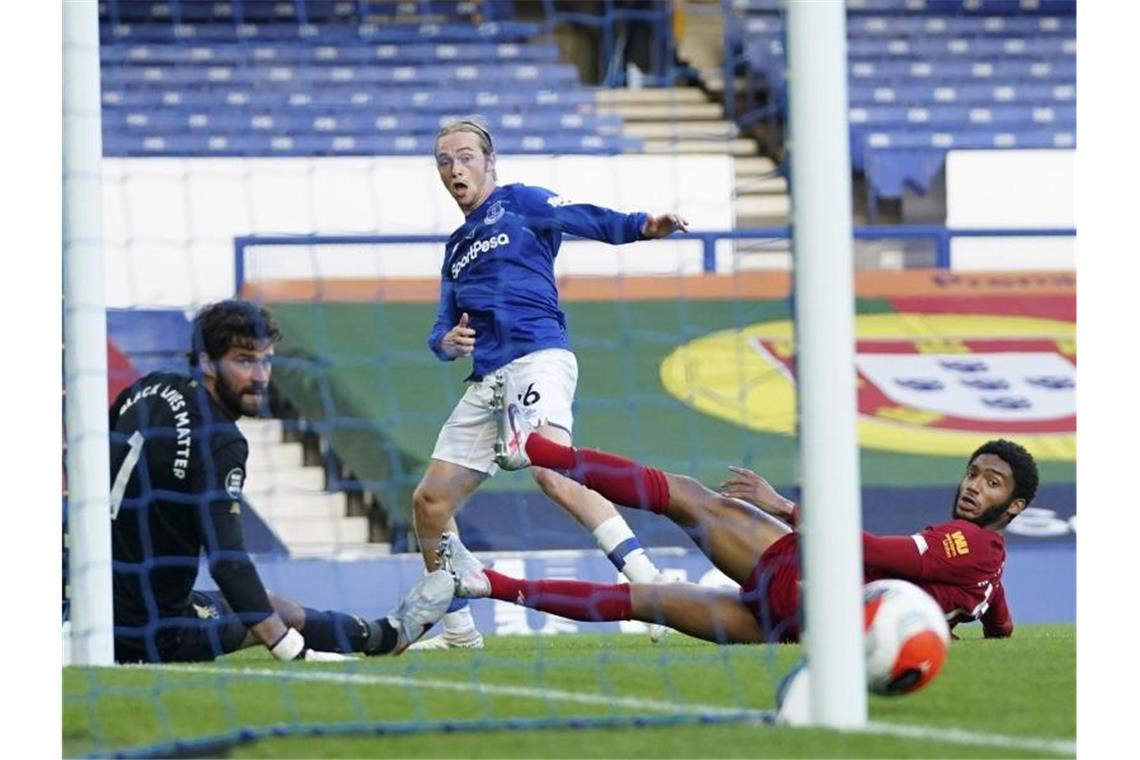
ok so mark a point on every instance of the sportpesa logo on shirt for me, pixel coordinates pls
(476, 248)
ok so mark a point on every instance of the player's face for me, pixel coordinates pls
(465, 171)
(241, 378)
(985, 495)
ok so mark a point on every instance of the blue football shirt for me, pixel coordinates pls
(498, 267)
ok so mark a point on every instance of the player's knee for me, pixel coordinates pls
(430, 507)
(555, 486)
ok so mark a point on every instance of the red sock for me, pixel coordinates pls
(577, 600)
(544, 452)
(620, 480)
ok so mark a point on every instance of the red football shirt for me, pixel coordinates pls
(956, 562)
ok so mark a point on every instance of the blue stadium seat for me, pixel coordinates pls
(355, 54)
(894, 160)
(863, 94)
(928, 75)
(507, 31)
(248, 144)
(301, 77)
(350, 97)
(923, 26)
(880, 48)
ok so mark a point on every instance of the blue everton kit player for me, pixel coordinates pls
(499, 305)
(499, 270)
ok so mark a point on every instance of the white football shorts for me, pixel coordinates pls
(547, 380)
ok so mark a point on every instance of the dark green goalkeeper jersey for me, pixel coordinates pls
(177, 469)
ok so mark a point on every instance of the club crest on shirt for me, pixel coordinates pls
(495, 213)
(234, 480)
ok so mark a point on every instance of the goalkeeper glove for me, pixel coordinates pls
(291, 646)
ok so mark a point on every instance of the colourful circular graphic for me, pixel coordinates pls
(927, 383)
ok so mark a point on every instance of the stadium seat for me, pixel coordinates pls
(359, 77)
(925, 75)
(894, 160)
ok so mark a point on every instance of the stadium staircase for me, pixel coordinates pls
(683, 120)
(289, 494)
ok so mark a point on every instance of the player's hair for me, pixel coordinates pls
(218, 326)
(476, 125)
(1020, 461)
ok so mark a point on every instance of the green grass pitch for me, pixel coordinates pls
(1003, 698)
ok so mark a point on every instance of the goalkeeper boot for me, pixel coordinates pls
(513, 426)
(466, 570)
(421, 608)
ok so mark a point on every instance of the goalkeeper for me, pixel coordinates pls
(747, 530)
(177, 469)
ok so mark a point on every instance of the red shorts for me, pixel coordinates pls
(772, 592)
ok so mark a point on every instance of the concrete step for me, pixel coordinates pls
(301, 532)
(665, 111)
(765, 206)
(761, 185)
(276, 456)
(738, 147)
(289, 506)
(645, 95)
(754, 166)
(284, 480)
(259, 431)
(684, 130)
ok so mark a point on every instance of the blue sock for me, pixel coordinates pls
(331, 631)
(457, 604)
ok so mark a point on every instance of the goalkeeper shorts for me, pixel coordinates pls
(207, 629)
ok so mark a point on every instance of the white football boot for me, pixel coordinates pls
(466, 571)
(447, 640)
(421, 608)
(513, 425)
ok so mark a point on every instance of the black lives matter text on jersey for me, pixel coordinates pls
(177, 405)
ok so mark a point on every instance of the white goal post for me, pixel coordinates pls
(825, 356)
(85, 343)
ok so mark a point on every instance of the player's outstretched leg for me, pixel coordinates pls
(716, 615)
(421, 608)
(730, 532)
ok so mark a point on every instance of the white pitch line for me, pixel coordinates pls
(960, 736)
(951, 735)
(633, 703)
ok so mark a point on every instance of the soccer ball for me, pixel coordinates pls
(906, 636)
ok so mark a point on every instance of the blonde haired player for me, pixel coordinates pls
(498, 305)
